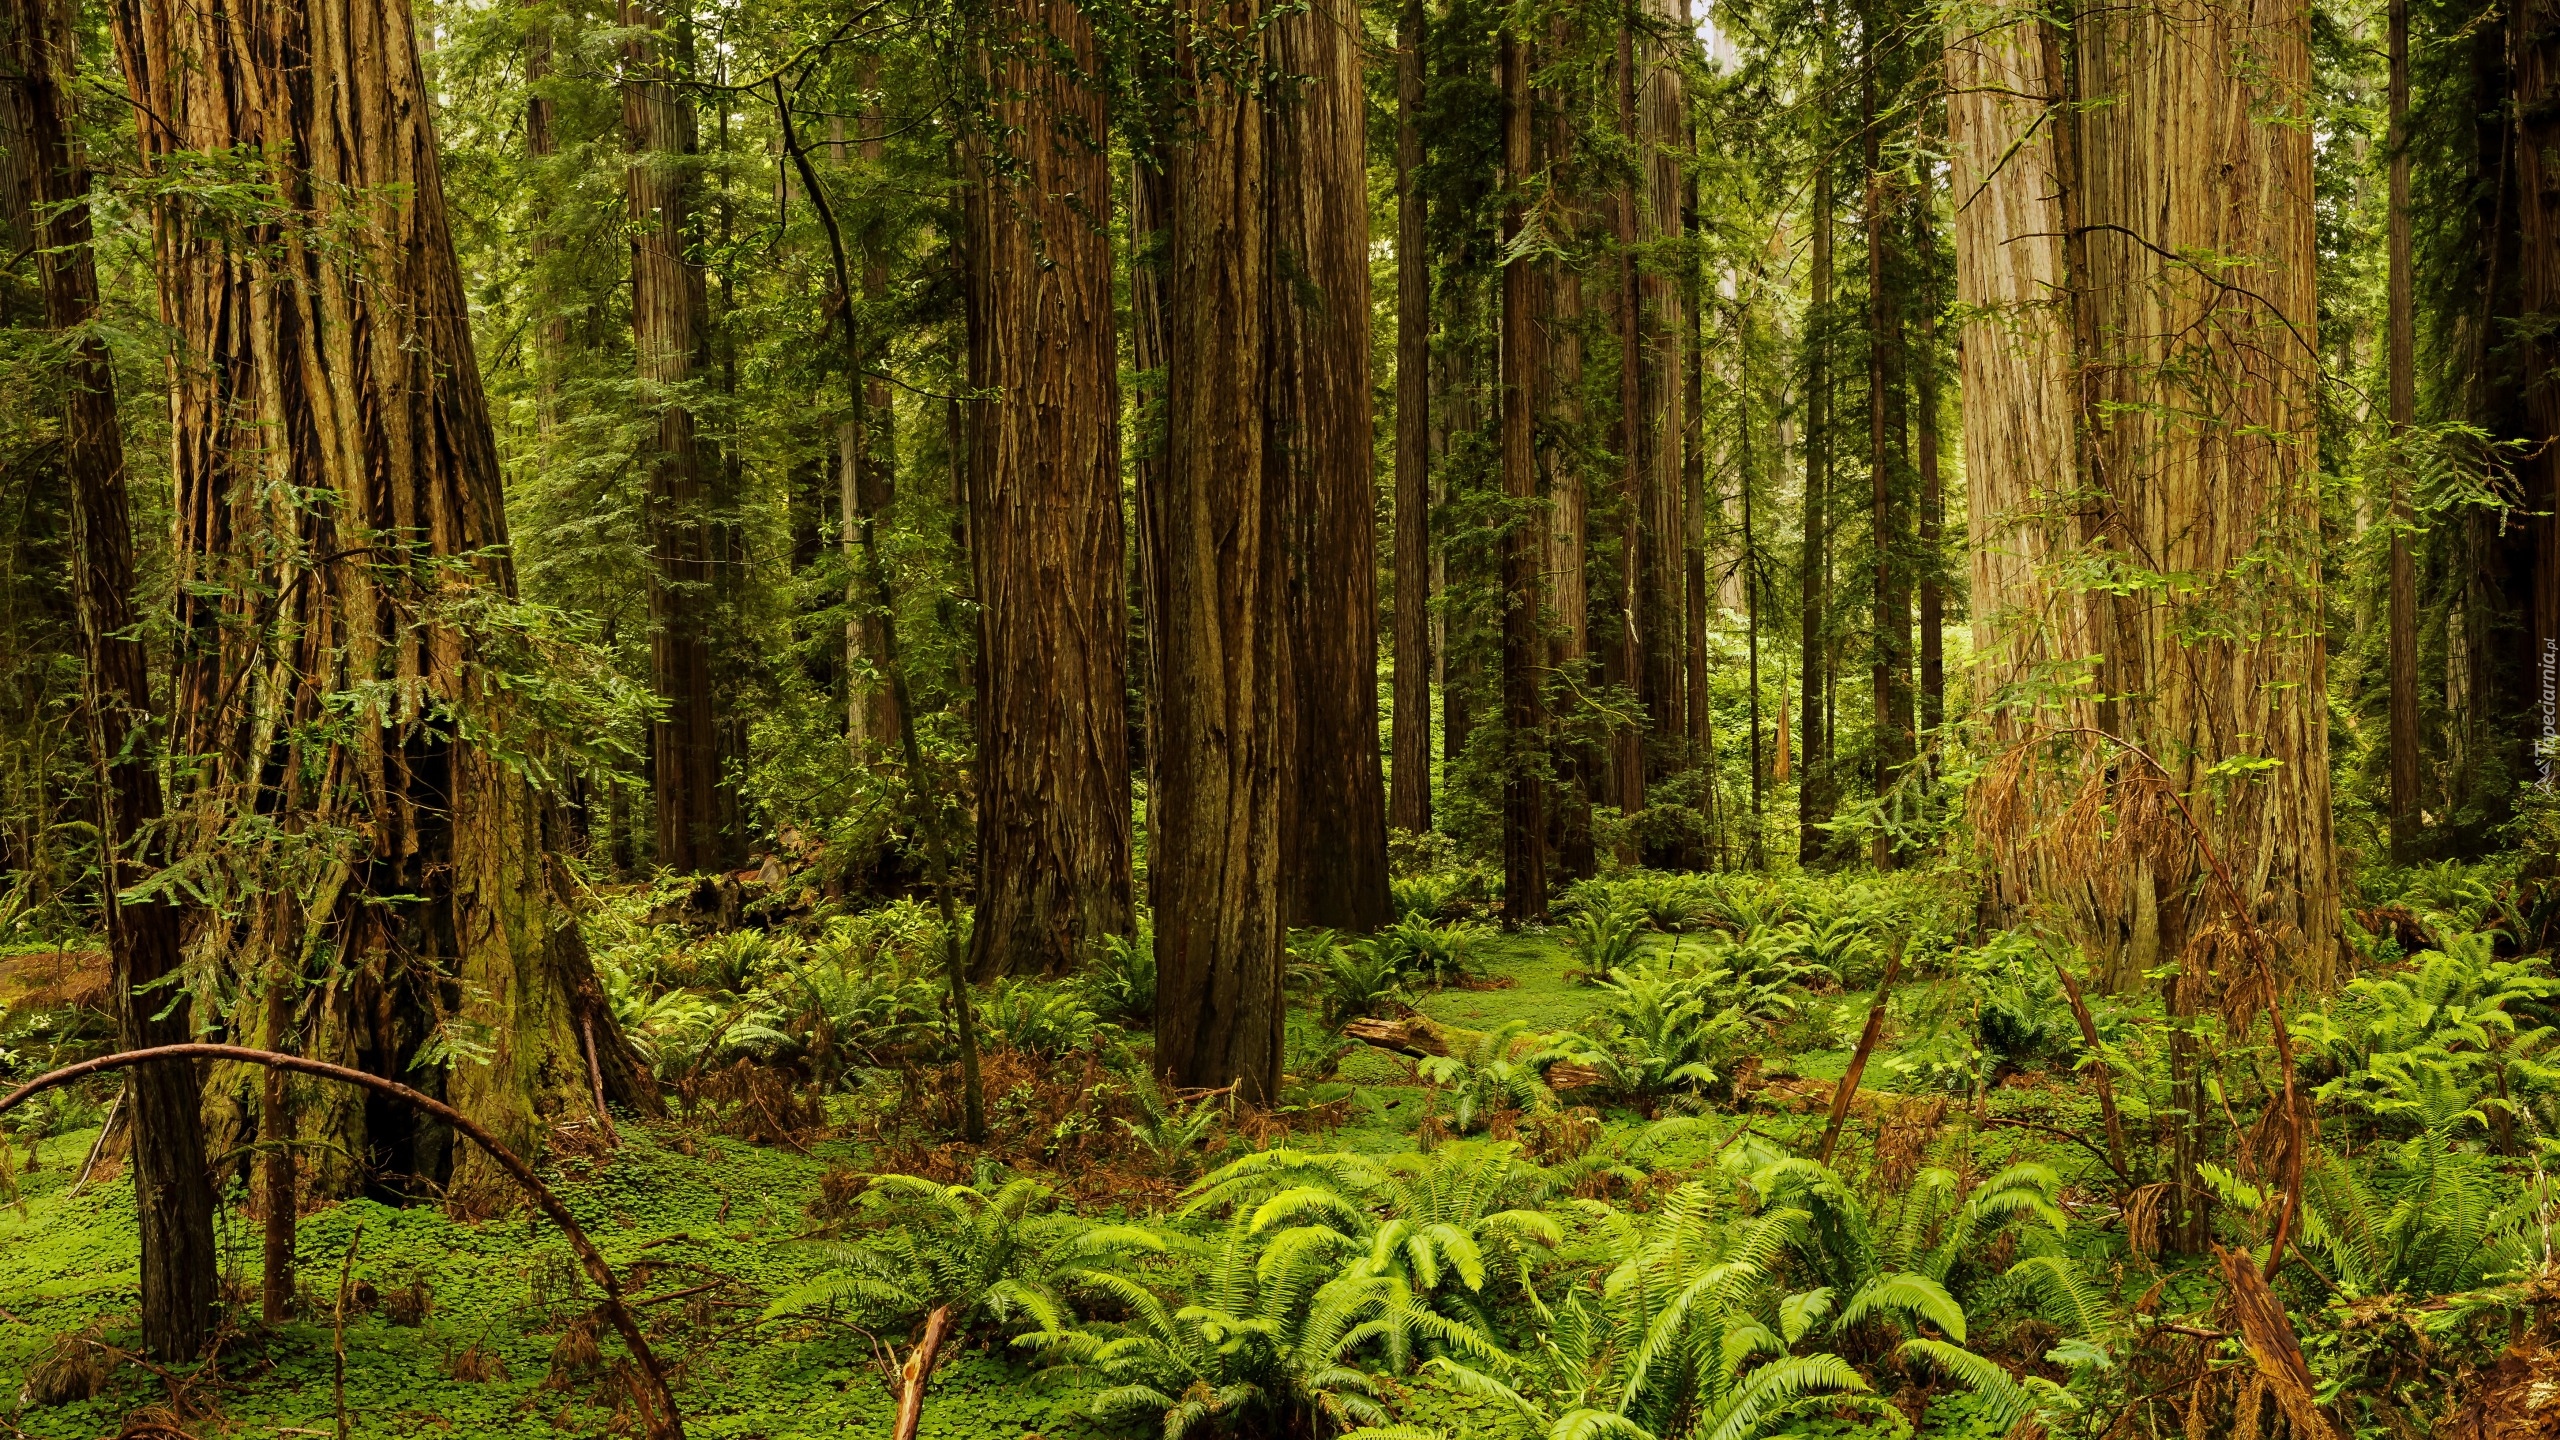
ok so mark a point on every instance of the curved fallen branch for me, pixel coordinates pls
(660, 1416)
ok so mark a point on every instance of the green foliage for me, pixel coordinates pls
(1433, 954)
(1040, 1019)
(986, 1255)
(1272, 1339)
(1602, 937)
(1120, 976)
(1497, 1070)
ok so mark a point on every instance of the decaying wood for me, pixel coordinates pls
(1858, 1059)
(918, 1372)
(1412, 1035)
(2268, 1334)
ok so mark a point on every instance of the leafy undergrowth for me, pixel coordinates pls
(1562, 1150)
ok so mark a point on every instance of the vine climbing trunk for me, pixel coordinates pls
(1044, 503)
(173, 1193)
(341, 577)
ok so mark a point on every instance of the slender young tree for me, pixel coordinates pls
(1524, 810)
(173, 1191)
(670, 331)
(1813, 794)
(1411, 797)
(1891, 641)
(341, 547)
(2401, 323)
(1044, 503)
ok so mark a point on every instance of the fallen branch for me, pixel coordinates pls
(918, 1371)
(2097, 1071)
(657, 1402)
(1866, 1046)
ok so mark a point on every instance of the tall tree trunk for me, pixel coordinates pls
(1524, 821)
(669, 321)
(1813, 787)
(1560, 406)
(2404, 413)
(1932, 559)
(173, 1190)
(1044, 497)
(1411, 800)
(1623, 643)
(1662, 333)
(1891, 673)
(1217, 646)
(2193, 403)
(1700, 732)
(337, 499)
(866, 478)
(1320, 440)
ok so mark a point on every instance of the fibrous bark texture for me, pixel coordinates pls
(2139, 421)
(1044, 495)
(173, 1193)
(1318, 430)
(1524, 782)
(1217, 649)
(1411, 742)
(341, 571)
(670, 332)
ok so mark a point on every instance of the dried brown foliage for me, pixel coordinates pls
(75, 1368)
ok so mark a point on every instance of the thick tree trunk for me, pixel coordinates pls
(1524, 819)
(1319, 437)
(669, 322)
(2194, 405)
(1217, 647)
(1557, 436)
(2403, 386)
(1410, 802)
(338, 515)
(173, 1191)
(1044, 494)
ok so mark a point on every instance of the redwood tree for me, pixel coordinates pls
(342, 578)
(1044, 501)
(670, 330)
(1411, 799)
(1318, 430)
(1211, 512)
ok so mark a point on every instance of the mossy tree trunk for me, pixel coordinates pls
(342, 576)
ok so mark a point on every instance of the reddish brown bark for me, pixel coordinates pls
(1524, 819)
(1217, 644)
(1044, 503)
(1319, 438)
(339, 530)
(1410, 801)
(670, 332)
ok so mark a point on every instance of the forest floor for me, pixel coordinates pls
(715, 1225)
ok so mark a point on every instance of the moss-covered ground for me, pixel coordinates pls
(688, 1210)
